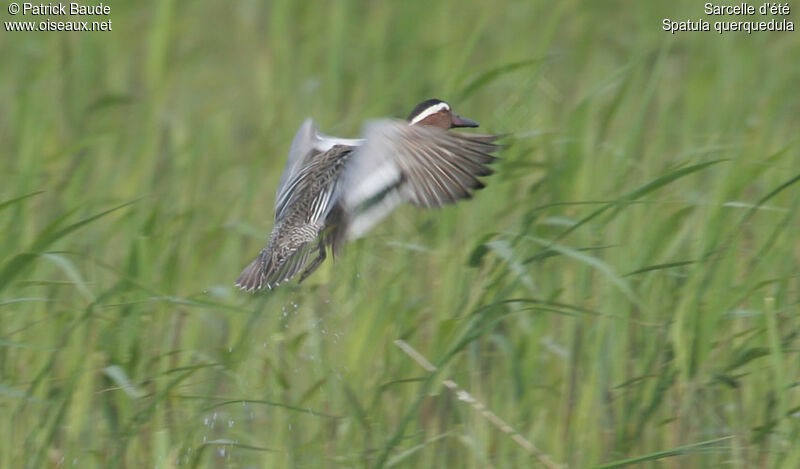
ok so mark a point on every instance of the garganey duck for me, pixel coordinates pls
(334, 190)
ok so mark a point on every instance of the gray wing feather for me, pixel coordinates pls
(301, 151)
(308, 145)
(313, 190)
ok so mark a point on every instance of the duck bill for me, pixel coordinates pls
(459, 121)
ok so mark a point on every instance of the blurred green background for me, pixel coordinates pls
(624, 291)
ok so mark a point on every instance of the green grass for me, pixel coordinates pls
(624, 291)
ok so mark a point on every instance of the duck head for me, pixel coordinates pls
(438, 113)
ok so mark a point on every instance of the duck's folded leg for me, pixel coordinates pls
(314, 265)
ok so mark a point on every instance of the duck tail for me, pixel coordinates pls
(253, 277)
(270, 271)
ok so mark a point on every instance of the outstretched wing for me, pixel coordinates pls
(308, 145)
(301, 151)
(312, 192)
(426, 166)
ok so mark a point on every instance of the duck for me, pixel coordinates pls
(334, 190)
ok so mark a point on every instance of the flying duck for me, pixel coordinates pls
(334, 190)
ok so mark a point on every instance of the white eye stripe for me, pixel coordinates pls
(431, 110)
